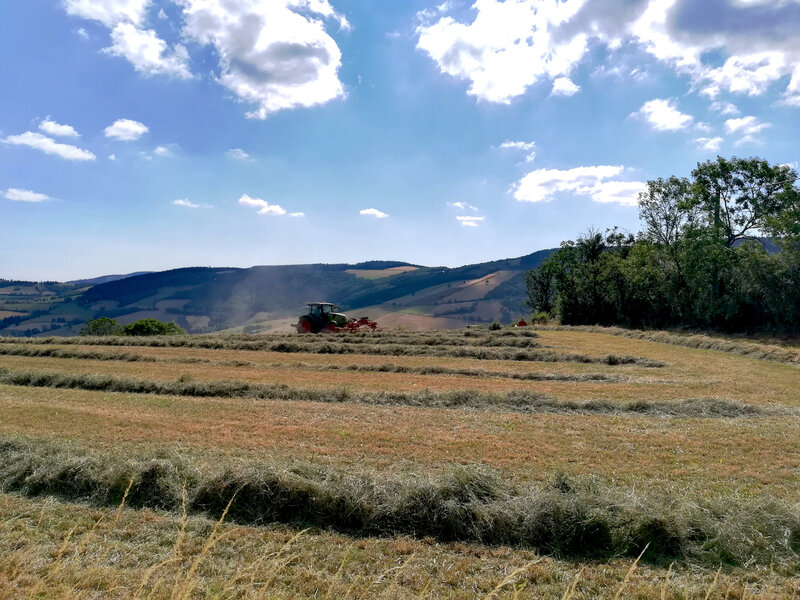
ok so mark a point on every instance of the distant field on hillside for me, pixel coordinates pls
(540, 462)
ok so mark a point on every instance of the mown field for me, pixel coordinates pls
(546, 463)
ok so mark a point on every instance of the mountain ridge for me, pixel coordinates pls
(268, 297)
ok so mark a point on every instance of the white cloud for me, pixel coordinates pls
(57, 129)
(112, 157)
(504, 46)
(373, 212)
(595, 182)
(108, 12)
(126, 130)
(747, 128)
(563, 86)
(18, 195)
(49, 146)
(82, 33)
(725, 108)
(238, 154)
(185, 202)
(509, 46)
(663, 115)
(749, 74)
(470, 221)
(147, 52)
(710, 144)
(528, 147)
(162, 151)
(264, 207)
(276, 55)
(463, 206)
(297, 214)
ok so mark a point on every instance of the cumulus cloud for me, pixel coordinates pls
(373, 212)
(747, 128)
(470, 221)
(528, 147)
(501, 47)
(238, 154)
(162, 151)
(297, 214)
(49, 146)
(507, 47)
(596, 182)
(463, 206)
(276, 55)
(710, 144)
(126, 130)
(563, 86)
(663, 115)
(108, 12)
(264, 207)
(57, 129)
(18, 195)
(186, 203)
(147, 52)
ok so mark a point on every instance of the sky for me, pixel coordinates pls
(154, 134)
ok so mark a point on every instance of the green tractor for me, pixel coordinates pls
(322, 317)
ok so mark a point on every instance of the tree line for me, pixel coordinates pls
(719, 250)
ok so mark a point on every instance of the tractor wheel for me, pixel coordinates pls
(330, 328)
(305, 325)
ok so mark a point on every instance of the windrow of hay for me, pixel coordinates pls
(698, 341)
(339, 344)
(512, 401)
(565, 516)
(70, 353)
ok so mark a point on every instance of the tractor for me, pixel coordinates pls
(322, 317)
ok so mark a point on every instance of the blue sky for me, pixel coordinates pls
(152, 134)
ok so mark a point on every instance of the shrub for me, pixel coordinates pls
(153, 327)
(101, 326)
(540, 318)
(495, 326)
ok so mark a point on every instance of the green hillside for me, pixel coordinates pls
(205, 299)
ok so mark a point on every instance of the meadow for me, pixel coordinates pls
(556, 462)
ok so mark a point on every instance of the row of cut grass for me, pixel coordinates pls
(566, 516)
(337, 345)
(512, 401)
(71, 353)
(760, 351)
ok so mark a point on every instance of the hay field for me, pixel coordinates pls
(444, 464)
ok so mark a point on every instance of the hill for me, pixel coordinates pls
(262, 298)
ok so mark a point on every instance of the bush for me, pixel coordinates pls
(101, 326)
(153, 327)
(540, 318)
(495, 326)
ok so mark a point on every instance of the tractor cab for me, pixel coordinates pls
(320, 316)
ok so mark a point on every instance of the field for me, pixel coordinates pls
(521, 463)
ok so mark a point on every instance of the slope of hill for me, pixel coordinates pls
(204, 299)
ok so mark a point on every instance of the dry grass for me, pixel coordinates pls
(57, 550)
(54, 550)
(706, 455)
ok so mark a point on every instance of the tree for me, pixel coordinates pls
(101, 326)
(153, 327)
(741, 195)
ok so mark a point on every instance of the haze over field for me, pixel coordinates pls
(151, 134)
